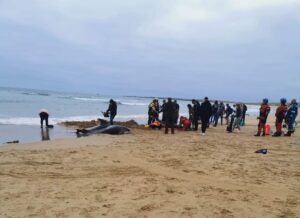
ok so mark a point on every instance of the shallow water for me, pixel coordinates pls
(32, 133)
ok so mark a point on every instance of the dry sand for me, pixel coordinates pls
(149, 174)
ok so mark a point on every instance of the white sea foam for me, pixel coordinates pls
(36, 120)
(134, 104)
(106, 100)
(91, 99)
(20, 121)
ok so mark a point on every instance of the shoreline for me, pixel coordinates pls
(66, 129)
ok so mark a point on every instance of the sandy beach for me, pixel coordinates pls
(149, 174)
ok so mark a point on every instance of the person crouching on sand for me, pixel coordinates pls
(264, 111)
(280, 115)
(185, 123)
(44, 115)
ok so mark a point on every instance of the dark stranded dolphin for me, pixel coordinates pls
(106, 129)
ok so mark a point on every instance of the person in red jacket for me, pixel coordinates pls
(264, 111)
(185, 123)
(280, 116)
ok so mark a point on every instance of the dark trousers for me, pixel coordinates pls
(111, 119)
(205, 123)
(169, 124)
(196, 123)
(216, 119)
(262, 126)
(291, 123)
(44, 116)
(278, 125)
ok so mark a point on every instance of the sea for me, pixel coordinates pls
(19, 109)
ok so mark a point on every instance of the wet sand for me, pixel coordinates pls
(149, 174)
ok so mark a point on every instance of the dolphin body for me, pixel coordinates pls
(106, 129)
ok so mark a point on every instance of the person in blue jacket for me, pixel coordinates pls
(291, 117)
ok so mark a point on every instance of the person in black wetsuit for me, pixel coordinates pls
(169, 115)
(112, 110)
(205, 113)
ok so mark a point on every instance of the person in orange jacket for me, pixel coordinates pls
(264, 111)
(280, 116)
(185, 123)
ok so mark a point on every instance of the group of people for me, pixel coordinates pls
(209, 113)
(170, 114)
(284, 112)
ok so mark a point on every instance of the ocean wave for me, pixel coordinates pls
(65, 97)
(36, 93)
(12, 101)
(55, 120)
(133, 104)
(106, 100)
(91, 99)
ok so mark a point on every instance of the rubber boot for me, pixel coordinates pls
(289, 133)
(276, 134)
(257, 134)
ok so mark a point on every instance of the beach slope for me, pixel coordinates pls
(149, 174)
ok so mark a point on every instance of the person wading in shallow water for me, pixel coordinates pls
(112, 110)
(44, 115)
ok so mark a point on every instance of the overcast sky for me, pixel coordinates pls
(224, 49)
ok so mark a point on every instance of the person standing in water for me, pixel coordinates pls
(44, 115)
(112, 110)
